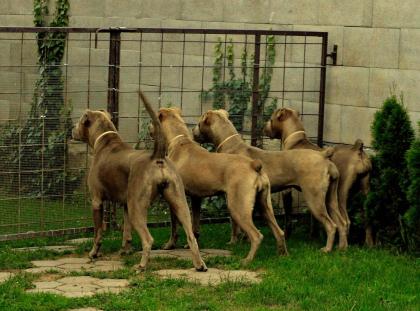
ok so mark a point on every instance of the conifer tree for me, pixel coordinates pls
(387, 202)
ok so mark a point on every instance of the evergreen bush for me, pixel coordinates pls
(412, 216)
(387, 202)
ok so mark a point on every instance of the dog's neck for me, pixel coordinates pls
(293, 139)
(226, 140)
(99, 138)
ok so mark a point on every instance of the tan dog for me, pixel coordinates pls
(352, 162)
(310, 171)
(205, 174)
(121, 174)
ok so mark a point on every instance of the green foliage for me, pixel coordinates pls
(412, 216)
(234, 92)
(42, 138)
(387, 203)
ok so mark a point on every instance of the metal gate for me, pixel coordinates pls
(42, 173)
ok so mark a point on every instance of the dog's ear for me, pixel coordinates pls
(106, 113)
(177, 110)
(207, 118)
(224, 113)
(283, 114)
(358, 146)
(161, 115)
(86, 118)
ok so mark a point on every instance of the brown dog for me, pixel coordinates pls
(352, 162)
(121, 174)
(308, 170)
(205, 174)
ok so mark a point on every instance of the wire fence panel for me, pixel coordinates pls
(43, 173)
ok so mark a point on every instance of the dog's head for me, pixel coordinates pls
(171, 122)
(92, 123)
(278, 121)
(205, 128)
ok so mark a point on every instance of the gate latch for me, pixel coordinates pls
(333, 55)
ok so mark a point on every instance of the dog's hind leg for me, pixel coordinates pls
(97, 210)
(137, 211)
(333, 208)
(316, 204)
(127, 239)
(235, 232)
(171, 244)
(240, 206)
(264, 199)
(175, 196)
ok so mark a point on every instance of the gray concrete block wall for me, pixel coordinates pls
(378, 47)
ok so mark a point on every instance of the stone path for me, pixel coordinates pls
(4, 276)
(211, 277)
(55, 248)
(65, 265)
(186, 253)
(80, 286)
(79, 241)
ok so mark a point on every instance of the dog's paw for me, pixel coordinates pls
(169, 245)
(126, 251)
(325, 250)
(202, 268)
(282, 251)
(94, 254)
(139, 268)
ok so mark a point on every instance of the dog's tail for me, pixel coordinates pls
(159, 150)
(328, 152)
(256, 165)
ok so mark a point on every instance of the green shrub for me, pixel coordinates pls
(412, 216)
(39, 143)
(387, 203)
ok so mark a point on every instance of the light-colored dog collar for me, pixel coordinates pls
(223, 142)
(174, 139)
(292, 135)
(100, 136)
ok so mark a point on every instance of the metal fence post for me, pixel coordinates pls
(256, 109)
(320, 138)
(114, 74)
(110, 209)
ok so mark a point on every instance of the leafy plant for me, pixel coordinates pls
(234, 93)
(42, 138)
(387, 203)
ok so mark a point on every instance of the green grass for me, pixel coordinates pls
(36, 214)
(359, 279)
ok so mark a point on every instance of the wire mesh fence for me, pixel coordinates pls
(43, 173)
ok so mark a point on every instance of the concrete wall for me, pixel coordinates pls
(378, 47)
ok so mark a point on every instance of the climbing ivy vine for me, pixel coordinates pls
(42, 138)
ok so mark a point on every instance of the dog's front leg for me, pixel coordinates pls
(127, 239)
(196, 212)
(97, 210)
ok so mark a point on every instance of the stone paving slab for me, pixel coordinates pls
(212, 277)
(55, 248)
(4, 276)
(186, 253)
(70, 264)
(80, 286)
(79, 241)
